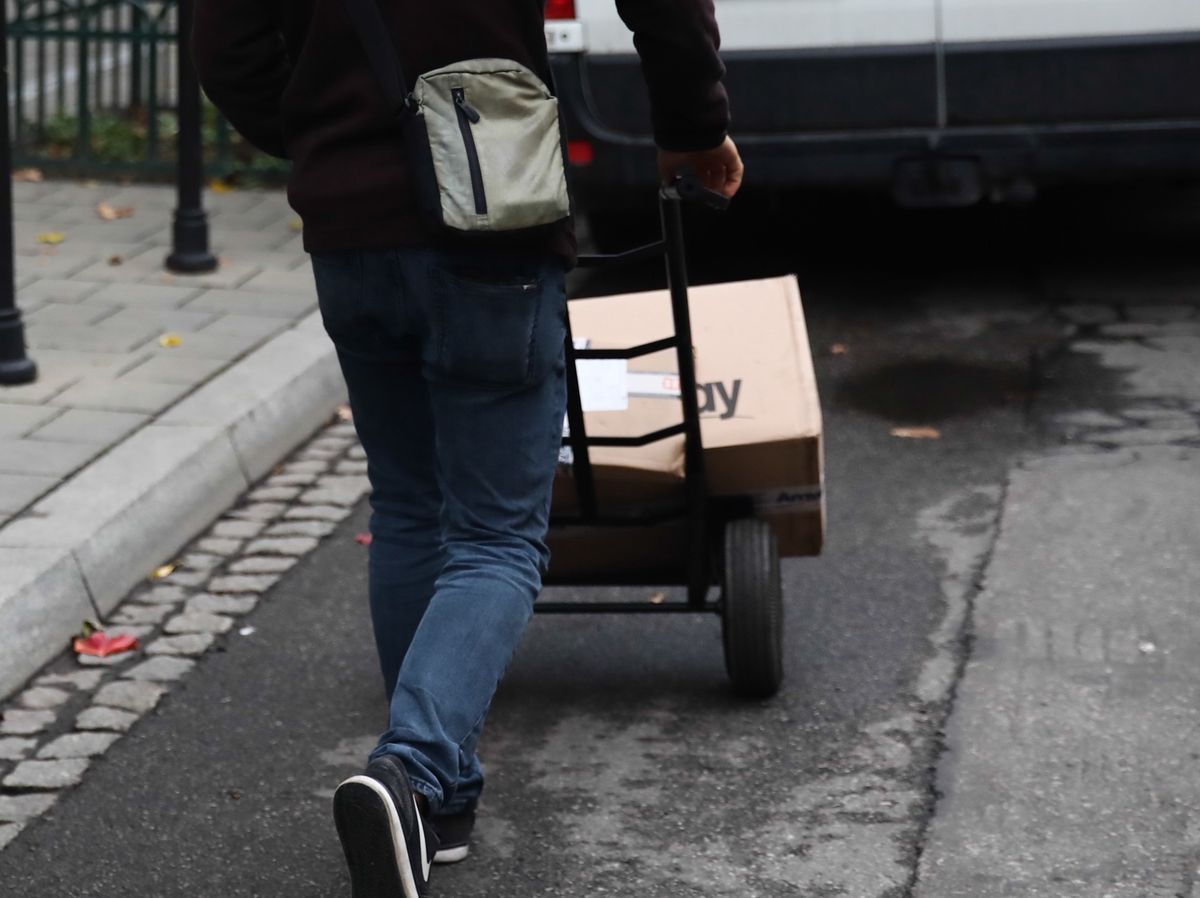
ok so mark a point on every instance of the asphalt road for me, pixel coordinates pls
(618, 761)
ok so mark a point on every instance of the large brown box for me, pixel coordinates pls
(761, 423)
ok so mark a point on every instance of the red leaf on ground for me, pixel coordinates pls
(363, 539)
(103, 645)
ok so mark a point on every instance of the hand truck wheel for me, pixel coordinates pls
(752, 608)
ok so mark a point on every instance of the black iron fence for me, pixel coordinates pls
(93, 91)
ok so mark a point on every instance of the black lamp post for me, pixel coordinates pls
(190, 253)
(15, 366)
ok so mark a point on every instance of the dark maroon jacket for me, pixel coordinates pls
(292, 77)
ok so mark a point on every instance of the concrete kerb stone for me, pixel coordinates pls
(108, 719)
(117, 660)
(42, 600)
(197, 622)
(263, 564)
(17, 722)
(15, 748)
(267, 401)
(42, 697)
(84, 680)
(138, 696)
(8, 832)
(134, 506)
(206, 603)
(19, 808)
(187, 644)
(84, 546)
(46, 775)
(142, 614)
(313, 529)
(160, 669)
(78, 745)
(293, 545)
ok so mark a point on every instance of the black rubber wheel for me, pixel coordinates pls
(752, 608)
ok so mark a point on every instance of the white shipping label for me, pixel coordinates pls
(603, 384)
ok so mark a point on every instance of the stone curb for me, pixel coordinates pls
(79, 550)
(75, 709)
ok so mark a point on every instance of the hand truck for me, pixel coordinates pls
(726, 543)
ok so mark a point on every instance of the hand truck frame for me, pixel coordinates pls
(727, 545)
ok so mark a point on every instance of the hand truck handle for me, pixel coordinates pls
(688, 188)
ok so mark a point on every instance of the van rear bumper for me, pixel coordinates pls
(1048, 111)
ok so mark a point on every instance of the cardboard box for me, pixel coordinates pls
(760, 414)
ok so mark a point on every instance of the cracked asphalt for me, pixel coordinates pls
(618, 761)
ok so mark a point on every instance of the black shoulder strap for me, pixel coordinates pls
(381, 52)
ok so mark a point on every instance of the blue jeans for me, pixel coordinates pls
(454, 364)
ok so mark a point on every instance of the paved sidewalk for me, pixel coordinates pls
(98, 305)
(124, 349)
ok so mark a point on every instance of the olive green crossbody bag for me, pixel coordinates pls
(485, 148)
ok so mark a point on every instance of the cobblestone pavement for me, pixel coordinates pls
(77, 709)
(99, 304)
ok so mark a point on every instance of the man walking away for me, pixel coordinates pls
(452, 350)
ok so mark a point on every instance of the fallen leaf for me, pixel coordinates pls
(235, 794)
(839, 349)
(344, 413)
(917, 433)
(28, 175)
(102, 645)
(163, 571)
(296, 225)
(109, 212)
(53, 238)
(170, 340)
(658, 598)
(115, 260)
(363, 539)
(216, 185)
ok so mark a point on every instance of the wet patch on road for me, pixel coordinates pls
(935, 390)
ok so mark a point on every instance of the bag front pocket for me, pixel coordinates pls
(467, 115)
(495, 145)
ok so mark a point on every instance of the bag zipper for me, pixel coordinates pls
(467, 114)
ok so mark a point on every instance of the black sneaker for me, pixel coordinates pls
(389, 846)
(454, 836)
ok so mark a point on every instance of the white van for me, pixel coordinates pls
(939, 101)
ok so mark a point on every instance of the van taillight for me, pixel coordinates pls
(560, 9)
(580, 152)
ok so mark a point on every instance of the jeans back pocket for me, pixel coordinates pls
(497, 330)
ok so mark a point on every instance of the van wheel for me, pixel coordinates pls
(752, 608)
